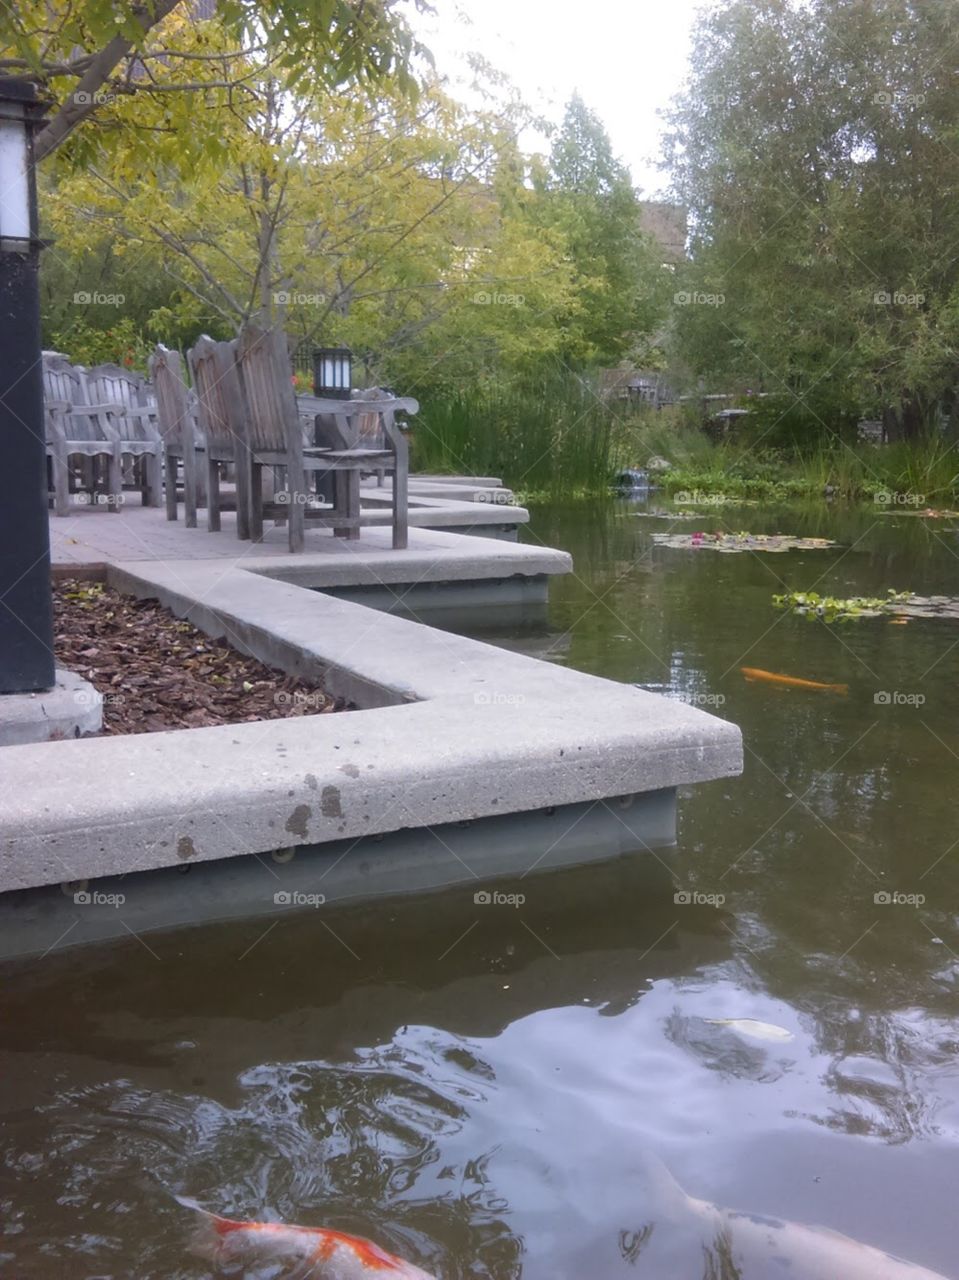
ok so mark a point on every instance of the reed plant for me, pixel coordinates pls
(549, 436)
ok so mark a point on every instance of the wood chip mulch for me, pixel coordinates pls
(156, 671)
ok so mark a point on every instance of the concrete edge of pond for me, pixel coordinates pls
(452, 730)
(493, 859)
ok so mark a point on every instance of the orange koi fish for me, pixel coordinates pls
(792, 682)
(305, 1253)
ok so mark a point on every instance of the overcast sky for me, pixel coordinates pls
(626, 57)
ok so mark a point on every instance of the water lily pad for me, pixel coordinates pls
(737, 542)
(899, 605)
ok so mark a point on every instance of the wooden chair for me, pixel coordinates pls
(220, 412)
(179, 431)
(272, 420)
(77, 429)
(364, 429)
(139, 436)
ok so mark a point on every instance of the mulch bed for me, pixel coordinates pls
(156, 671)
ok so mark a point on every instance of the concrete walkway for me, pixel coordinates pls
(454, 730)
(450, 730)
(93, 535)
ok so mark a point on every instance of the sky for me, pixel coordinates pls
(625, 57)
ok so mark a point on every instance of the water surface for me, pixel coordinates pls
(476, 1086)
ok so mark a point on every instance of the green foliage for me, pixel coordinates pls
(546, 436)
(93, 57)
(588, 197)
(739, 467)
(813, 606)
(816, 151)
(120, 344)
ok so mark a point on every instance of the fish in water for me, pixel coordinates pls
(752, 1027)
(792, 682)
(303, 1253)
(729, 1245)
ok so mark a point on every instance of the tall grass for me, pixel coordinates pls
(927, 470)
(550, 436)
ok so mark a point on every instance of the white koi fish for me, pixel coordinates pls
(745, 1246)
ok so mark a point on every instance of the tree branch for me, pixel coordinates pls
(85, 100)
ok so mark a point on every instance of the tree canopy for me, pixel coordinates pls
(588, 196)
(816, 149)
(88, 56)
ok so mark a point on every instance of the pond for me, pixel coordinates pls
(485, 1088)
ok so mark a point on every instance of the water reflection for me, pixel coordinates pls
(477, 1088)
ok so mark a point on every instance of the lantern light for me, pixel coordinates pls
(18, 119)
(333, 372)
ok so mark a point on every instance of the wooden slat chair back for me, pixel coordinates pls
(78, 429)
(263, 361)
(222, 421)
(176, 420)
(62, 381)
(206, 361)
(272, 425)
(124, 392)
(112, 384)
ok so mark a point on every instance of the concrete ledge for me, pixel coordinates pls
(460, 730)
(432, 556)
(324, 876)
(70, 709)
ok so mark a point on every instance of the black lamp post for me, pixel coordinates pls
(26, 606)
(333, 373)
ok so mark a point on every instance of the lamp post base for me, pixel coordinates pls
(26, 602)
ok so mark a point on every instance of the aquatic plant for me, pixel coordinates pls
(733, 542)
(742, 465)
(550, 436)
(834, 609)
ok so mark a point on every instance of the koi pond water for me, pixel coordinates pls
(486, 1088)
